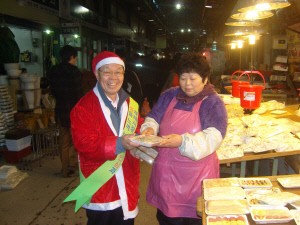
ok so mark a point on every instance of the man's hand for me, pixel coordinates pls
(127, 143)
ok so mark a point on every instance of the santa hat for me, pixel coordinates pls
(105, 58)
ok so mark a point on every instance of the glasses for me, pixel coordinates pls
(107, 74)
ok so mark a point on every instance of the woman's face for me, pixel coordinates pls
(111, 77)
(191, 83)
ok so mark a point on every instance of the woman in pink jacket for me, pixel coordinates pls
(192, 119)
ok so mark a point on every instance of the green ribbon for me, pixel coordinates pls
(89, 186)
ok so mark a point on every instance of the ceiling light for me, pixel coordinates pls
(252, 39)
(151, 20)
(81, 10)
(178, 6)
(233, 45)
(243, 24)
(262, 5)
(48, 31)
(239, 43)
(252, 15)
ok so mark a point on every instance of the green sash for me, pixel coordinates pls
(88, 187)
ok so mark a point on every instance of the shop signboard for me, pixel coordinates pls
(70, 28)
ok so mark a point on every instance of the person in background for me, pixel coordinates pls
(192, 120)
(98, 124)
(65, 81)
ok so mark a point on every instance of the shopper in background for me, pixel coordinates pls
(66, 87)
(98, 123)
(192, 120)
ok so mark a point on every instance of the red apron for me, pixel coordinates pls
(176, 181)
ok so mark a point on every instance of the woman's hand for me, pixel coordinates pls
(171, 141)
(127, 143)
(148, 131)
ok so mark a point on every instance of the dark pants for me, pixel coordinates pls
(111, 217)
(68, 155)
(164, 220)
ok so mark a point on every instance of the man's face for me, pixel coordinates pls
(111, 77)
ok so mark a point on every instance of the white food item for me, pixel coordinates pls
(224, 193)
(281, 198)
(289, 182)
(226, 207)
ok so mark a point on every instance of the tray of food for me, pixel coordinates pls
(262, 215)
(146, 140)
(253, 195)
(279, 199)
(289, 182)
(255, 182)
(221, 182)
(227, 220)
(223, 193)
(226, 207)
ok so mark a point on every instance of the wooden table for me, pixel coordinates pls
(265, 155)
(201, 201)
(256, 157)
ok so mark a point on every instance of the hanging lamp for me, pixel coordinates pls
(243, 24)
(265, 5)
(252, 15)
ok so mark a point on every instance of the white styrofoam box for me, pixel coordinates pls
(18, 144)
(280, 67)
(281, 59)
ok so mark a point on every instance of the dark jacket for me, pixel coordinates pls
(66, 86)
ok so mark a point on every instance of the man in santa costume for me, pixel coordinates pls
(102, 123)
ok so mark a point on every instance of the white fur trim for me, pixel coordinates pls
(109, 60)
(103, 206)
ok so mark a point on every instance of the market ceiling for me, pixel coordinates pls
(192, 21)
(205, 19)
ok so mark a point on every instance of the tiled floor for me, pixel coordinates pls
(38, 199)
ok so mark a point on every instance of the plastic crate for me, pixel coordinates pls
(18, 144)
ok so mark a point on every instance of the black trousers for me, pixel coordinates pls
(164, 220)
(111, 217)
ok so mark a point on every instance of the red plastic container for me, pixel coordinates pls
(236, 83)
(250, 95)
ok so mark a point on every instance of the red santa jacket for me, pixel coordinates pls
(95, 139)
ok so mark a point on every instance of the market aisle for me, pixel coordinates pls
(38, 199)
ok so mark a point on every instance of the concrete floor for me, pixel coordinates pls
(37, 200)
